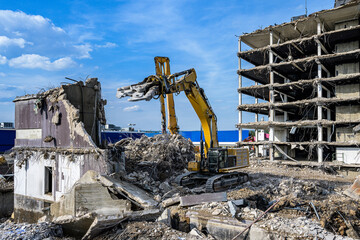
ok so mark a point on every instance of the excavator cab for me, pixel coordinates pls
(217, 159)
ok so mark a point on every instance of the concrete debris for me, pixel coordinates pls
(130, 191)
(12, 231)
(298, 228)
(232, 208)
(145, 230)
(161, 156)
(170, 201)
(223, 227)
(191, 200)
(354, 190)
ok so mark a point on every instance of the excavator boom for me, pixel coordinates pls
(185, 81)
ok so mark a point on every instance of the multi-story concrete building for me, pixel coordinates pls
(307, 71)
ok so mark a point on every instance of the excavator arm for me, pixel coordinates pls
(162, 67)
(159, 85)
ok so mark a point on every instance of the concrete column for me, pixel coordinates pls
(285, 119)
(256, 130)
(319, 94)
(271, 99)
(328, 118)
(240, 94)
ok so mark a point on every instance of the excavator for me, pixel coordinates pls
(214, 166)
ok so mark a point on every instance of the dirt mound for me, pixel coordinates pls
(161, 156)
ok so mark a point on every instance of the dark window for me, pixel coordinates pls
(48, 180)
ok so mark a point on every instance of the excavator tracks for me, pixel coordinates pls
(182, 179)
(223, 182)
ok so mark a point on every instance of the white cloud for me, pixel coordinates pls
(84, 50)
(3, 59)
(134, 108)
(6, 42)
(35, 34)
(107, 45)
(11, 20)
(33, 61)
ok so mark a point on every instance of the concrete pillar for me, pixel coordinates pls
(256, 130)
(328, 118)
(271, 99)
(285, 119)
(240, 94)
(319, 94)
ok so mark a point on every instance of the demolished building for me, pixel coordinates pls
(57, 141)
(307, 77)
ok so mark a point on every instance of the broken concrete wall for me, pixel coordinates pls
(97, 202)
(348, 113)
(345, 134)
(348, 90)
(345, 47)
(87, 99)
(89, 195)
(346, 68)
(347, 24)
(58, 114)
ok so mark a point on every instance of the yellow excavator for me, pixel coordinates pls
(213, 166)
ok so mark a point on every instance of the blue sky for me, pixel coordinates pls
(42, 42)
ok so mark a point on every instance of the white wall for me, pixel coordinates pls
(69, 173)
(348, 155)
(29, 180)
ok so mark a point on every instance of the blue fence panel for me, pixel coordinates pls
(7, 139)
(113, 137)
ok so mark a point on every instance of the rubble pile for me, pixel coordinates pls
(160, 156)
(299, 228)
(144, 230)
(25, 231)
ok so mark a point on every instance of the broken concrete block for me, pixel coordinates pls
(157, 198)
(165, 187)
(144, 215)
(90, 196)
(102, 223)
(191, 200)
(170, 201)
(196, 233)
(75, 226)
(232, 208)
(165, 217)
(239, 202)
(225, 227)
(130, 191)
(216, 212)
(354, 190)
